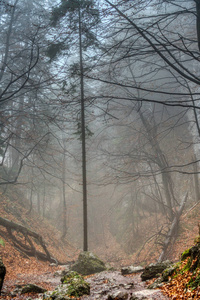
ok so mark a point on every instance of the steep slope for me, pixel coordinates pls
(15, 208)
(187, 232)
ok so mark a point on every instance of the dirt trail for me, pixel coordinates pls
(113, 283)
(102, 285)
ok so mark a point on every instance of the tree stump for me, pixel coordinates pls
(2, 273)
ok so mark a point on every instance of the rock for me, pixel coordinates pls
(88, 263)
(156, 284)
(154, 270)
(73, 285)
(60, 293)
(129, 286)
(131, 269)
(143, 295)
(163, 278)
(109, 268)
(77, 286)
(168, 272)
(118, 296)
(2, 274)
(29, 288)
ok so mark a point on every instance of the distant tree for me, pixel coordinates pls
(152, 71)
(23, 74)
(151, 55)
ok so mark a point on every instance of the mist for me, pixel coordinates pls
(133, 69)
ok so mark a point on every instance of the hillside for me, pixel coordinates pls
(187, 232)
(21, 268)
(15, 208)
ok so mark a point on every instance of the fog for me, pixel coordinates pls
(139, 83)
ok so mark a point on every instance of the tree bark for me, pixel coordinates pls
(84, 173)
(172, 229)
(2, 273)
(198, 21)
(196, 180)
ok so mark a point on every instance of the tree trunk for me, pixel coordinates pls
(2, 274)
(64, 206)
(196, 181)
(85, 224)
(161, 161)
(173, 228)
(198, 21)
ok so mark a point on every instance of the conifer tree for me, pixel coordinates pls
(80, 16)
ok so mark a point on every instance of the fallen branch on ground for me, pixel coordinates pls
(27, 247)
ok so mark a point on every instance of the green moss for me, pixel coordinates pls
(194, 283)
(70, 276)
(185, 254)
(77, 286)
(2, 243)
(88, 263)
(171, 271)
(193, 265)
(73, 285)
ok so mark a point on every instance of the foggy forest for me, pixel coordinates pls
(100, 127)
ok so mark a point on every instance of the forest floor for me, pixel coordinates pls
(101, 286)
(22, 269)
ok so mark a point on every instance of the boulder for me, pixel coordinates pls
(60, 293)
(73, 285)
(166, 274)
(131, 270)
(154, 270)
(2, 273)
(29, 288)
(156, 284)
(119, 295)
(88, 263)
(144, 295)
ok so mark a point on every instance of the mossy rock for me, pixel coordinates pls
(70, 276)
(165, 276)
(77, 286)
(73, 285)
(193, 264)
(88, 263)
(193, 258)
(31, 288)
(168, 272)
(154, 270)
(58, 294)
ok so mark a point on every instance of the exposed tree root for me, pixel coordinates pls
(23, 241)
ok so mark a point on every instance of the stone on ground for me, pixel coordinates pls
(88, 263)
(131, 270)
(154, 270)
(73, 285)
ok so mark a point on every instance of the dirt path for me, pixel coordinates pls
(103, 285)
(116, 285)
